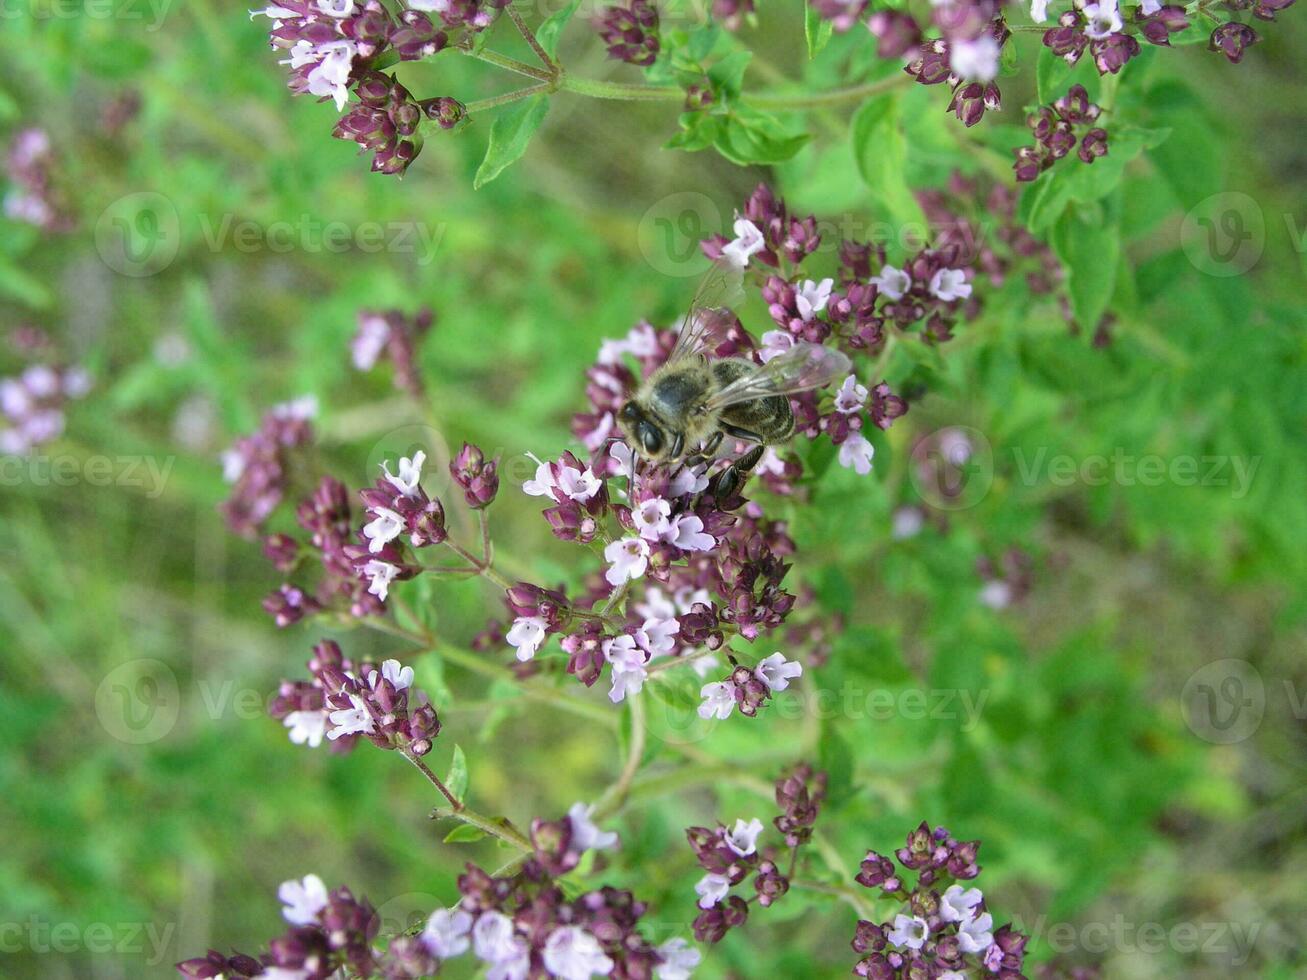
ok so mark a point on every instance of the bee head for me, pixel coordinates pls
(648, 438)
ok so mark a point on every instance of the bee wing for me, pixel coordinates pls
(709, 315)
(801, 368)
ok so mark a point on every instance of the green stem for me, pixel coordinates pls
(530, 38)
(506, 833)
(522, 93)
(841, 892)
(434, 780)
(512, 64)
(616, 794)
(599, 89)
(854, 93)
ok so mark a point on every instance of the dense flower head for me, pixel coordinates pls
(344, 703)
(944, 927)
(259, 466)
(1058, 129)
(34, 196)
(525, 924)
(476, 476)
(32, 405)
(631, 31)
(391, 334)
(328, 932)
(730, 855)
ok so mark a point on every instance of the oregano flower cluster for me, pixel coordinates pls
(940, 929)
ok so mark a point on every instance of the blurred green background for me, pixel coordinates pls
(1102, 803)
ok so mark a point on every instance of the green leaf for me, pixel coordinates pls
(464, 833)
(816, 29)
(456, 781)
(882, 158)
(1052, 75)
(1089, 245)
(509, 136)
(552, 26)
(751, 137)
(16, 283)
(727, 76)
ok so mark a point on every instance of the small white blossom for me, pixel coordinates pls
(686, 532)
(650, 518)
(383, 529)
(400, 677)
(718, 700)
(775, 671)
(298, 409)
(892, 282)
(1039, 10)
(628, 558)
(679, 960)
(495, 938)
(585, 834)
(410, 473)
(950, 284)
(855, 454)
(811, 297)
(330, 77)
(543, 483)
(281, 973)
(446, 933)
(571, 953)
(974, 935)
(380, 574)
(642, 341)
(306, 727)
(975, 60)
(748, 242)
(526, 634)
(336, 8)
(657, 604)
(996, 594)
(1150, 7)
(775, 343)
(658, 636)
(907, 523)
(743, 837)
(909, 931)
(689, 479)
(303, 900)
(958, 904)
(578, 485)
(370, 341)
(711, 889)
(354, 720)
(1103, 19)
(851, 396)
(627, 661)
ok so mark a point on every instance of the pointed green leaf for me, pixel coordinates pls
(509, 136)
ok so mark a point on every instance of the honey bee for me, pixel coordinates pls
(693, 401)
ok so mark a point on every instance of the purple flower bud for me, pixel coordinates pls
(631, 32)
(896, 33)
(477, 477)
(1093, 146)
(1159, 26)
(1232, 40)
(444, 111)
(1112, 52)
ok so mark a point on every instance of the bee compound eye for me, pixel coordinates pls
(650, 438)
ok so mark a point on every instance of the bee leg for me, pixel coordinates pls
(706, 451)
(730, 480)
(744, 435)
